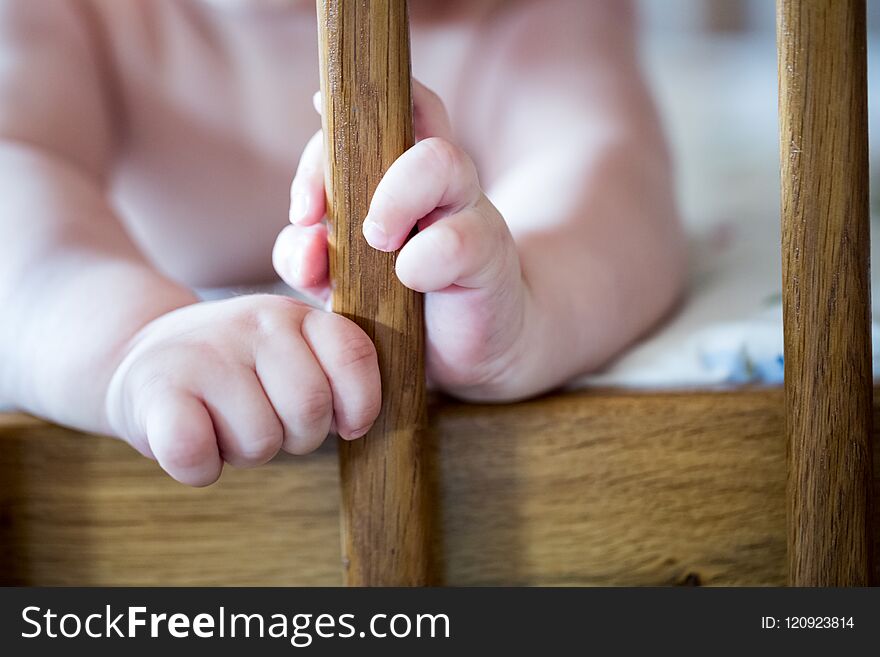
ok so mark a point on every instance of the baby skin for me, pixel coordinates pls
(146, 149)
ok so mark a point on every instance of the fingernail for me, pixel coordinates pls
(299, 207)
(375, 236)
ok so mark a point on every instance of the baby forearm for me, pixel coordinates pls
(602, 255)
(73, 289)
(68, 335)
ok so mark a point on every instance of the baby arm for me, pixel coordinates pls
(572, 252)
(578, 166)
(93, 337)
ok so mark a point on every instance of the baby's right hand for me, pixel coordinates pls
(238, 380)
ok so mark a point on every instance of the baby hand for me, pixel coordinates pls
(238, 380)
(463, 256)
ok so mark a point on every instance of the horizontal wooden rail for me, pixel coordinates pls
(590, 488)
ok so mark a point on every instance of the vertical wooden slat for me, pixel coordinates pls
(365, 80)
(826, 289)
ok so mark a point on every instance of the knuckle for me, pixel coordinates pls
(151, 375)
(261, 447)
(385, 201)
(300, 444)
(313, 407)
(299, 447)
(186, 453)
(275, 315)
(252, 446)
(356, 351)
(444, 155)
(145, 382)
(195, 354)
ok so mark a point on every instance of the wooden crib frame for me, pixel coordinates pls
(586, 487)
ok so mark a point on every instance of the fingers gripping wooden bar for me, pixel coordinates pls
(825, 259)
(367, 97)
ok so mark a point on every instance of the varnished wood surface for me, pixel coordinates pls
(77, 509)
(826, 295)
(584, 488)
(365, 83)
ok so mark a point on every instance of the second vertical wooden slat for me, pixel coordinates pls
(826, 289)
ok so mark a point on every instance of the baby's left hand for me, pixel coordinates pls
(463, 256)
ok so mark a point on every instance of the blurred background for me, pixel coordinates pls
(712, 64)
(712, 67)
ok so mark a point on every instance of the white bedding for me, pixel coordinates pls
(718, 100)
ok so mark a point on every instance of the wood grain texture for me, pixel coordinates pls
(585, 488)
(80, 510)
(601, 488)
(365, 83)
(825, 251)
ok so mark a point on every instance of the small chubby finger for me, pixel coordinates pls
(300, 259)
(298, 390)
(429, 113)
(307, 199)
(471, 249)
(248, 431)
(435, 173)
(181, 436)
(349, 361)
